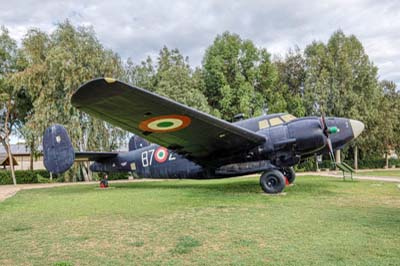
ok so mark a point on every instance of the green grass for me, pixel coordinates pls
(391, 173)
(320, 221)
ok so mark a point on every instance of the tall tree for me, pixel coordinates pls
(239, 77)
(14, 103)
(342, 81)
(388, 125)
(291, 78)
(56, 66)
(175, 80)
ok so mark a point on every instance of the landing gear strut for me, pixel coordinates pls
(289, 173)
(272, 181)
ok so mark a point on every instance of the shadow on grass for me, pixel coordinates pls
(228, 186)
(303, 187)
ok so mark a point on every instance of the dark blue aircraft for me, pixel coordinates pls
(175, 141)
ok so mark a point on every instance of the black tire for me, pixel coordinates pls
(272, 182)
(290, 174)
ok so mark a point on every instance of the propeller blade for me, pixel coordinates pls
(331, 153)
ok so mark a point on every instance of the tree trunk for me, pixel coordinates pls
(11, 160)
(356, 158)
(7, 142)
(84, 172)
(31, 158)
(386, 160)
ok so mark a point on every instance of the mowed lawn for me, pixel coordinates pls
(320, 221)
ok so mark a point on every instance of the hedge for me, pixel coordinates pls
(23, 176)
(116, 175)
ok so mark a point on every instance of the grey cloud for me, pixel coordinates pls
(140, 28)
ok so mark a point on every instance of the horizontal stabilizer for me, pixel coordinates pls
(59, 154)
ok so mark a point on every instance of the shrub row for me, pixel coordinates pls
(23, 176)
(116, 175)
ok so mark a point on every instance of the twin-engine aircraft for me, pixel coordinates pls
(175, 141)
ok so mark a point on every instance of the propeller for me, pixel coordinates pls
(327, 131)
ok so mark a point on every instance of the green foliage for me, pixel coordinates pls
(342, 81)
(24, 176)
(239, 78)
(336, 78)
(115, 175)
(56, 65)
(118, 175)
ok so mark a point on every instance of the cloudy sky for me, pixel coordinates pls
(139, 28)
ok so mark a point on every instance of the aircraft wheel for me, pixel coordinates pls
(272, 182)
(289, 173)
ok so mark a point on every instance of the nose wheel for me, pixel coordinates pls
(272, 182)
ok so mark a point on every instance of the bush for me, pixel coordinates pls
(116, 175)
(23, 176)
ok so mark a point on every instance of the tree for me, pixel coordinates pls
(56, 65)
(142, 75)
(388, 124)
(174, 79)
(291, 78)
(14, 102)
(342, 81)
(239, 78)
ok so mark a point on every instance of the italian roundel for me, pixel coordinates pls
(161, 154)
(165, 123)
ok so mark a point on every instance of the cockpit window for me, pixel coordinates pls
(275, 121)
(288, 117)
(263, 124)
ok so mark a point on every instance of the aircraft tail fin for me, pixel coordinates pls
(59, 155)
(136, 142)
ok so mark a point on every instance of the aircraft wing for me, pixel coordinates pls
(189, 132)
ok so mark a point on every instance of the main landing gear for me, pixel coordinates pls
(274, 181)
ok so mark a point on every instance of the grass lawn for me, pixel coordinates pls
(393, 173)
(320, 221)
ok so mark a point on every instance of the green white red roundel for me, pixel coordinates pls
(161, 154)
(165, 123)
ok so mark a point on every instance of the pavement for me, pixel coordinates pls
(356, 176)
(7, 191)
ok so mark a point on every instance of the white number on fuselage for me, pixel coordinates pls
(147, 157)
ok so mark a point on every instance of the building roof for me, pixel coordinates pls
(4, 161)
(15, 148)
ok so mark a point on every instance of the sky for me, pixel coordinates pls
(137, 29)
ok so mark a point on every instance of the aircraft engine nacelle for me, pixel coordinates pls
(308, 134)
(288, 143)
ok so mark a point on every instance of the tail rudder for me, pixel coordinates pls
(59, 155)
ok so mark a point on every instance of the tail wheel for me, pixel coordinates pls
(272, 182)
(290, 174)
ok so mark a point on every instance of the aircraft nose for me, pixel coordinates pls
(357, 127)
